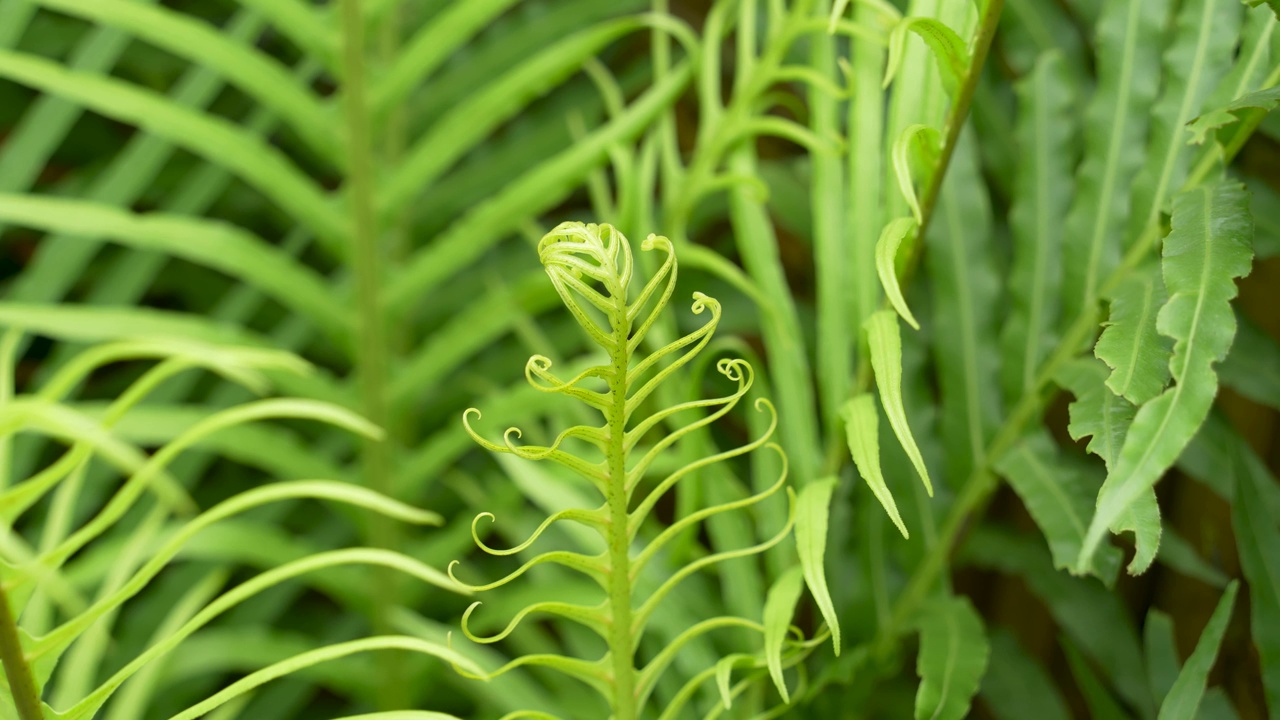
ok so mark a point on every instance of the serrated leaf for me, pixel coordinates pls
(1059, 498)
(1137, 355)
(862, 423)
(1183, 700)
(1207, 249)
(1258, 541)
(886, 360)
(886, 264)
(1114, 139)
(1231, 113)
(1041, 195)
(915, 152)
(812, 508)
(948, 49)
(1097, 413)
(953, 657)
(779, 606)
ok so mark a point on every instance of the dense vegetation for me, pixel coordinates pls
(880, 359)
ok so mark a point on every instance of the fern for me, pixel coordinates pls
(35, 584)
(592, 268)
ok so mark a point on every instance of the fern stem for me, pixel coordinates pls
(988, 23)
(621, 641)
(371, 349)
(26, 698)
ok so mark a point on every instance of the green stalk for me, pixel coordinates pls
(835, 300)
(21, 683)
(371, 349)
(621, 641)
(987, 25)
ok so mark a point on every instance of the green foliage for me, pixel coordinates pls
(258, 253)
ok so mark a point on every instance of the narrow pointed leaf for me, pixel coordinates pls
(862, 425)
(812, 508)
(1183, 701)
(886, 264)
(779, 606)
(953, 657)
(886, 359)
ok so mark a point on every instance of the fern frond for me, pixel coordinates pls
(592, 269)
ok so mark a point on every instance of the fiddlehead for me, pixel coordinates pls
(592, 268)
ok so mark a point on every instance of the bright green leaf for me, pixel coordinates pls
(886, 359)
(862, 425)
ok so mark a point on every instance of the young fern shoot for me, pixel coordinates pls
(591, 267)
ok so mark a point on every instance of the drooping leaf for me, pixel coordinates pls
(1137, 355)
(948, 49)
(953, 658)
(1059, 497)
(1042, 193)
(1183, 700)
(915, 155)
(886, 264)
(1116, 122)
(862, 424)
(812, 508)
(886, 359)
(1207, 249)
(779, 606)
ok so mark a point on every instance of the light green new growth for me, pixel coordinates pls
(591, 267)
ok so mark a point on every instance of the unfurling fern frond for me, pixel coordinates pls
(591, 267)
